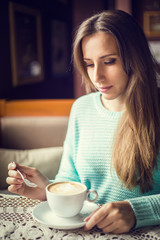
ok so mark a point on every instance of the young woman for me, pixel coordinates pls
(113, 138)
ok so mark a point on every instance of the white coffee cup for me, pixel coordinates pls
(66, 199)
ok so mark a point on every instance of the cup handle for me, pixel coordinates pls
(96, 195)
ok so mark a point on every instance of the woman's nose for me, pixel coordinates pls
(98, 74)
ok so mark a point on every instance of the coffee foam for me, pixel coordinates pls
(66, 188)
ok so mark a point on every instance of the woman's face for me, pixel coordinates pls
(104, 66)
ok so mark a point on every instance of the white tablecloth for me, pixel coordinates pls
(17, 223)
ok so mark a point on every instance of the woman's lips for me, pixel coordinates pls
(104, 89)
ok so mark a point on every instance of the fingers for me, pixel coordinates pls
(14, 188)
(12, 166)
(117, 217)
(25, 169)
(14, 178)
(14, 174)
(17, 186)
(117, 227)
(14, 181)
(87, 218)
(104, 222)
(95, 218)
(27, 172)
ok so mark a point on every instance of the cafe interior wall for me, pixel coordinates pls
(72, 12)
(67, 85)
(53, 85)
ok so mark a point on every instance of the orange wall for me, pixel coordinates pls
(56, 107)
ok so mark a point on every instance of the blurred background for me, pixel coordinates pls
(36, 43)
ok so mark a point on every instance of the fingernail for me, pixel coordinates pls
(13, 165)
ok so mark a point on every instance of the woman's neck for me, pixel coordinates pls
(114, 105)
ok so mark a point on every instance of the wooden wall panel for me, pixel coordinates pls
(56, 107)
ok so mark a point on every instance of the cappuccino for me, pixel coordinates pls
(66, 188)
(66, 199)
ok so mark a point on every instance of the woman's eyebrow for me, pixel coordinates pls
(107, 55)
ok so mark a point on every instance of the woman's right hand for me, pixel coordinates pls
(17, 185)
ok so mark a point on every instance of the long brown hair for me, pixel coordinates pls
(137, 140)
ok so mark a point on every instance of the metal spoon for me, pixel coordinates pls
(26, 181)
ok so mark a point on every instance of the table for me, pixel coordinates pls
(17, 223)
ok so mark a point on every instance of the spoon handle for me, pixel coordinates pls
(26, 181)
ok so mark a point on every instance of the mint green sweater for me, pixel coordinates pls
(87, 159)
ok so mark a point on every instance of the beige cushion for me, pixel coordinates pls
(32, 132)
(47, 160)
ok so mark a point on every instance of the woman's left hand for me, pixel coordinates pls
(116, 217)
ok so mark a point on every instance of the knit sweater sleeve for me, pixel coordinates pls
(146, 209)
(67, 170)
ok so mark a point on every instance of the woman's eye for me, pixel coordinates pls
(89, 64)
(110, 61)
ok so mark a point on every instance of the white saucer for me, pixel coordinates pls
(44, 215)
